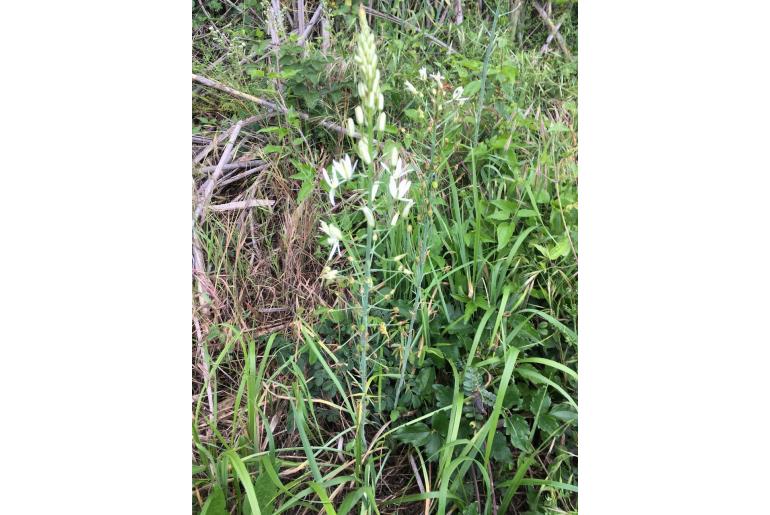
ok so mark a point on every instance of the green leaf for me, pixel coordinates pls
(215, 502)
(472, 88)
(433, 445)
(440, 420)
(564, 412)
(443, 395)
(500, 451)
(416, 434)
(548, 424)
(500, 215)
(541, 401)
(561, 249)
(504, 233)
(265, 490)
(243, 475)
(412, 114)
(304, 190)
(425, 379)
(519, 432)
(271, 149)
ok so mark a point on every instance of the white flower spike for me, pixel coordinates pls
(334, 237)
(457, 96)
(423, 74)
(437, 77)
(363, 151)
(398, 190)
(329, 274)
(333, 183)
(344, 168)
(410, 88)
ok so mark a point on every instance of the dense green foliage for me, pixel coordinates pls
(468, 398)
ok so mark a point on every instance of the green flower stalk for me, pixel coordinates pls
(369, 119)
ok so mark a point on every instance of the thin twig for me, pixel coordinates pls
(548, 40)
(205, 365)
(409, 26)
(554, 30)
(458, 12)
(233, 166)
(270, 105)
(208, 188)
(301, 16)
(325, 38)
(219, 138)
(416, 474)
(300, 40)
(242, 204)
(240, 176)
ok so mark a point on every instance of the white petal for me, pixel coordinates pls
(393, 187)
(368, 215)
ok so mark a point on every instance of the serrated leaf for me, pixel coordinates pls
(541, 401)
(500, 451)
(519, 432)
(548, 424)
(443, 395)
(564, 412)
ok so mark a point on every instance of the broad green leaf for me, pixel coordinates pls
(519, 432)
(416, 434)
(472, 88)
(215, 502)
(504, 233)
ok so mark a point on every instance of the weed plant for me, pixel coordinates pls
(399, 333)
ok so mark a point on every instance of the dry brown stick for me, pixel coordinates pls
(270, 105)
(240, 176)
(458, 12)
(205, 365)
(300, 16)
(409, 26)
(416, 473)
(208, 188)
(242, 204)
(300, 40)
(302, 37)
(219, 138)
(233, 166)
(548, 40)
(325, 38)
(549, 23)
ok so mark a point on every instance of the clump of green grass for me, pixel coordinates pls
(428, 364)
